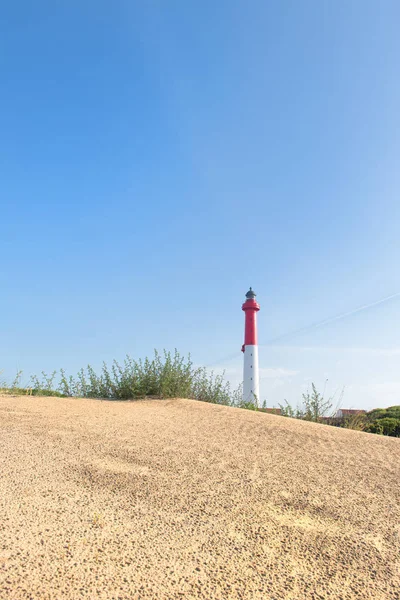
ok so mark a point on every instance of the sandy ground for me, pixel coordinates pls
(180, 499)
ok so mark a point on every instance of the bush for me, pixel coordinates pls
(315, 406)
(169, 375)
(384, 426)
(392, 412)
(384, 421)
(287, 410)
(249, 405)
(355, 422)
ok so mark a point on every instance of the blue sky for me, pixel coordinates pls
(158, 158)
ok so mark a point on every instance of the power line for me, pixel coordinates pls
(223, 360)
(330, 320)
(311, 327)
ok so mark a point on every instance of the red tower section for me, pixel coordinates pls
(250, 307)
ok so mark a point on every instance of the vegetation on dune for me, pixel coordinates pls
(170, 375)
(315, 406)
(383, 421)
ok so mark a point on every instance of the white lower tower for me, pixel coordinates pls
(251, 378)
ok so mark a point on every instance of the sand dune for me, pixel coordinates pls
(181, 499)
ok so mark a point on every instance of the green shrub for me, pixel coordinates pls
(169, 375)
(384, 426)
(249, 405)
(287, 410)
(392, 412)
(166, 376)
(355, 422)
(315, 406)
(384, 421)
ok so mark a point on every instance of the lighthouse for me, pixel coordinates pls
(251, 383)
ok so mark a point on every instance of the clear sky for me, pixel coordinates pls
(157, 158)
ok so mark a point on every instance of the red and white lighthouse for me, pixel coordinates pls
(251, 382)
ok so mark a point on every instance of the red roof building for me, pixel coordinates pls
(348, 412)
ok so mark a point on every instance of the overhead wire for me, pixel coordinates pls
(329, 320)
(311, 327)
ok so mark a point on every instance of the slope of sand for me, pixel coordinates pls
(180, 499)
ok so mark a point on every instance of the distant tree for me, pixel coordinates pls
(392, 412)
(384, 426)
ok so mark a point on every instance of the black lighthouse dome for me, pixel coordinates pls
(250, 294)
